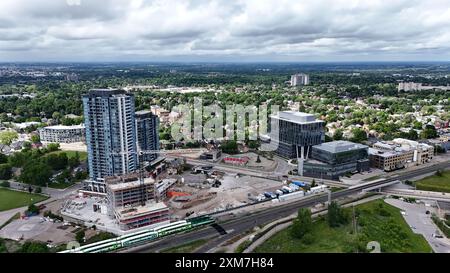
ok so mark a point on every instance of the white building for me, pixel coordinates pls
(412, 86)
(299, 79)
(63, 134)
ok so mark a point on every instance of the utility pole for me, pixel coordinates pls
(355, 226)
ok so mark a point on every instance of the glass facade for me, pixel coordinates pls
(302, 130)
(335, 159)
(147, 125)
(110, 132)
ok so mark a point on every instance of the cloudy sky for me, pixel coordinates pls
(224, 30)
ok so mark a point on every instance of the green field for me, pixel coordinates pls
(186, 248)
(383, 224)
(435, 183)
(60, 186)
(13, 199)
(70, 154)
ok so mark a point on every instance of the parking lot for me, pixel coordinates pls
(36, 228)
(421, 223)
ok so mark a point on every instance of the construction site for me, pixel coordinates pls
(135, 201)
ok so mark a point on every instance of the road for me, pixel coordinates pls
(277, 176)
(248, 222)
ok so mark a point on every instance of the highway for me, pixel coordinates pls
(244, 223)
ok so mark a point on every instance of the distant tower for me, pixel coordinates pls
(299, 79)
(110, 134)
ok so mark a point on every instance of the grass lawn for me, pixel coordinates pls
(186, 248)
(435, 183)
(70, 154)
(13, 199)
(377, 221)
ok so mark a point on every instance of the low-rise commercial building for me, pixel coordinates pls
(213, 155)
(63, 134)
(399, 153)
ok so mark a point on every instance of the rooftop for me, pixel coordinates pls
(64, 127)
(129, 185)
(104, 92)
(384, 153)
(150, 207)
(296, 117)
(339, 146)
(143, 112)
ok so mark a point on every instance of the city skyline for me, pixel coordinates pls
(241, 31)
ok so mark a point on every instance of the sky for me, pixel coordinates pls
(224, 30)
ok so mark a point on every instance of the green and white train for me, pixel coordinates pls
(142, 236)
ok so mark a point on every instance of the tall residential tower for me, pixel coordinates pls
(147, 126)
(299, 79)
(110, 135)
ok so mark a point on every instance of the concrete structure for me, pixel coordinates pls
(151, 215)
(133, 203)
(147, 132)
(399, 153)
(63, 134)
(110, 135)
(213, 155)
(334, 159)
(412, 86)
(127, 190)
(299, 79)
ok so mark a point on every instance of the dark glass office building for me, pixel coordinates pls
(334, 159)
(292, 130)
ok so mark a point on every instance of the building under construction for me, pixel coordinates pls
(133, 203)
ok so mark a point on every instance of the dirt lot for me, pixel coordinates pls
(233, 192)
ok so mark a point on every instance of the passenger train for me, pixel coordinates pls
(142, 236)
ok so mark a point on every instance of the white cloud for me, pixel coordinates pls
(261, 29)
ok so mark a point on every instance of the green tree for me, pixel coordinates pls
(53, 147)
(36, 173)
(80, 236)
(429, 132)
(33, 209)
(57, 161)
(35, 138)
(5, 171)
(359, 135)
(27, 145)
(302, 224)
(229, 147)
(6, 138)
(338, 134)
(33, 247)
(3, 158)
(336, 215)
